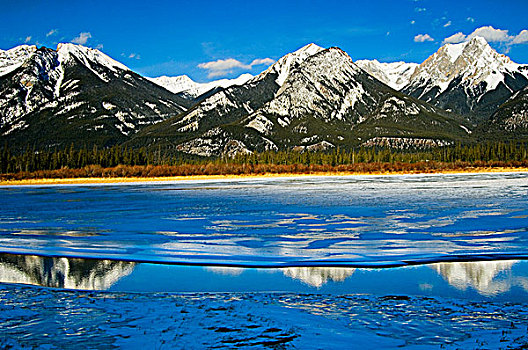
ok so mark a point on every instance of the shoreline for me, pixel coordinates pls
(110, 180)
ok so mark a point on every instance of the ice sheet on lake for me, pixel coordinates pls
(349, 221)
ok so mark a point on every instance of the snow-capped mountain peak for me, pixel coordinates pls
(325, 101)
(394, 74)
(478, 44)
(283, 66)
(11, 59)
(467, 78)
(174, 84)
(87, 56)
(184, 84)
(58, 93)
(473, 61)
(308, 50)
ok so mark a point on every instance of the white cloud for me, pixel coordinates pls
(413, 21)
(420, 38)
(51, 32)
(82, 38)
(491, 35)
(134, 55)
(470, 19)
(420, 9)
(521, 38)
(28, 39)
(223, 64)
(223, 67)
(99, 47)
(455, 38)
(262, 61)
(447, 24)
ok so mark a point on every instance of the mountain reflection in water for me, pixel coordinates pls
(486, 277)
(69, 273)
(312, 276)
(318, 276)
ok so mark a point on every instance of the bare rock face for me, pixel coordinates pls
(309, 100)
(74, 94)
(512, 116)
(469, 78)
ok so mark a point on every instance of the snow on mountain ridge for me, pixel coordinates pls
(79, 84)
(86, 55)
(473, 61)
(225, 103)
(394, 74)
(283, 66)
(184, 84)
(336, 65)
(11, 59)
(470, 79)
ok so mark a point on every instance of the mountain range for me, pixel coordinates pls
(310, 99)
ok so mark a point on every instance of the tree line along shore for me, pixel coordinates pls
(119, 161)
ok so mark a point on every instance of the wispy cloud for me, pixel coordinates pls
(470, 19)
(413, 21)
(28, 39)
(51, 32)
(521, 38)
(220, 68)
(421, 38)
(82, 38)
(261, 61)
(132, 55)
(447, 24)
(491, 35)
(420, 9)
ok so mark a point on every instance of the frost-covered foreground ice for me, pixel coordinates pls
(108, 258)
(31, 317)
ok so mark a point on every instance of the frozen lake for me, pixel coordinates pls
(349, 221)
(428, 261)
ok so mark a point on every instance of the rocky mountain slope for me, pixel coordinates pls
(310, 99)
(468, 78)
(224, 107)
(52, 98)
(511, 117)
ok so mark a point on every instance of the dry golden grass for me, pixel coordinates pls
(334, 172)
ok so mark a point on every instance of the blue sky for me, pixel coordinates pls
(183, 37)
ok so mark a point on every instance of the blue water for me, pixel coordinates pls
(352, 221)
(380, 262)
